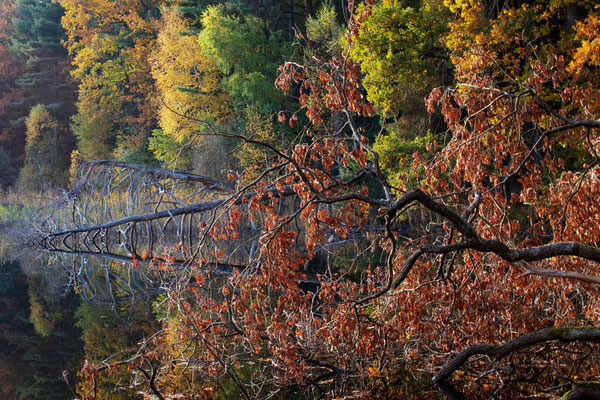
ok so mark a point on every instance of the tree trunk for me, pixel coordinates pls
(308, 8)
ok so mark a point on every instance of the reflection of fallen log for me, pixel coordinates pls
(217, 268)
(565, 335)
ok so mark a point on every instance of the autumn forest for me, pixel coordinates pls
(299, 199)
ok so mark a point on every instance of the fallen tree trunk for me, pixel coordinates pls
(156, 171)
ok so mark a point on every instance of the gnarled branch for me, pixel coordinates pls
(565, 335)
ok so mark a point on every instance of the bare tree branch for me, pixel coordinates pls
(531, 270)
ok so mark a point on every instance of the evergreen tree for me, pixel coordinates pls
(37, 41)
(12, 139)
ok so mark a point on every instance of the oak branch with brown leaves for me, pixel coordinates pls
(482, 264)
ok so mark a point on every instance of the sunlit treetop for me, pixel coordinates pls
(398, 44)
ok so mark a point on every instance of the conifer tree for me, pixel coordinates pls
(12, 140)
(37, 41)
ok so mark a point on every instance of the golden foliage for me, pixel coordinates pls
(188, 82)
